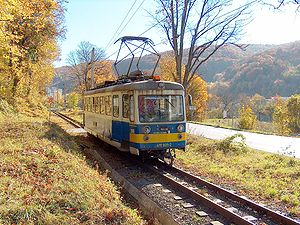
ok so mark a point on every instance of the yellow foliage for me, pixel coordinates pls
(247, 118)
(103, 71)
(281, 117)
(197, 88)
(28, 35)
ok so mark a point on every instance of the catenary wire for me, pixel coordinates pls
(115, 34)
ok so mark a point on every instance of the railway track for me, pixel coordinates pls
(182, 187)
(69, 120)
(237, 209)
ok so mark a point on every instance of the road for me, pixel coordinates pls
(270, 143)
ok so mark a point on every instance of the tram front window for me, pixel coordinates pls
(166, 108)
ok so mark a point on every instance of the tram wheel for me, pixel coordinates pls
(169, 156)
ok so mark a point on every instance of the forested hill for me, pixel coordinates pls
(268, 70)
(275, 71)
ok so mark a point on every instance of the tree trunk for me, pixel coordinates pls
(29, 87)
(16, 81)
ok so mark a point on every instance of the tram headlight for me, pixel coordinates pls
(180, 128)
(146, 129)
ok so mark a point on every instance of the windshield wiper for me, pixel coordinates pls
(170, 103)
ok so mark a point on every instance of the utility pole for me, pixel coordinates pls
(92, 69)
(65, 95)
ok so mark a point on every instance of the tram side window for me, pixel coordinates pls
(93, 104)
(85, 104)
(89, 105)
(102, 105)
(131, 106)
(97, 105)
(125, 106)
(116, 105)
(108, 105)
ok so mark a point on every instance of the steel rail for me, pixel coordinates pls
(276, 217)
(68, 119)
(227, 214)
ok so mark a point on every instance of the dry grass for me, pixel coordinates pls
(45, 180)
(265, 177)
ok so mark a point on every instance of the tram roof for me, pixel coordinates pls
(139, 85)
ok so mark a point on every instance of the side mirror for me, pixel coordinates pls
(191, 106)
(190, 100)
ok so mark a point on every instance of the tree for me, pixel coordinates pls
(28, 34)
(80, 61)
(247, 118)
(103, 71)
(214, 106)
(204, 25)
(281, 3)
(293, 108)
(281, 117)
(258, 104)
(197, 88)
(228, 101)
(72, 100)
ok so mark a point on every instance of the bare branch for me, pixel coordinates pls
(215, 25)
(80, 61)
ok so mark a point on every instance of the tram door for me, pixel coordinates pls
(125, 128)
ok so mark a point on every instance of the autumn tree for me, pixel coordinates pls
(214, 106)
(72, 100)
(81, 60)
(247, 119)
(293, 108)
(197, 88)
(201, 26)
(28, 35)
(281, 116)
(227, 100)
(103, 71)
(258, 104)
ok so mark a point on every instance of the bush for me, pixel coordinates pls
(233, 144)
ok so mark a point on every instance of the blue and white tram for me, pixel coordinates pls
(142, 117)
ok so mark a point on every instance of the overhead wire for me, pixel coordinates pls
(138, 36)
(125, 27)
(132, 16)
(115, 34)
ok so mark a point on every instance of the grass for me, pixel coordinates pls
(74, 114)
(265, 177)
(261, 127)
(45, 180)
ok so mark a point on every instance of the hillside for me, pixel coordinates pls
(272, 72)
(45, 178)
(264, 69)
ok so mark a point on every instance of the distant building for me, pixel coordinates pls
(55, 93)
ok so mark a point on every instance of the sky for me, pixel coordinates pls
(97, 21)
